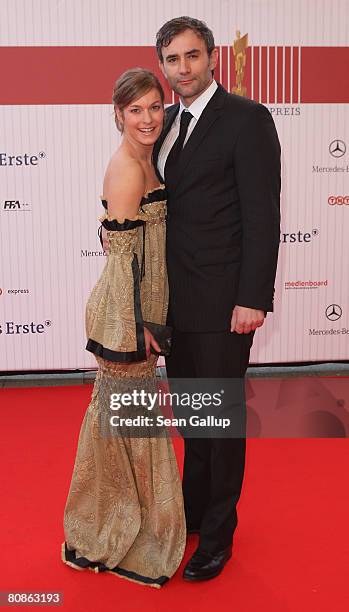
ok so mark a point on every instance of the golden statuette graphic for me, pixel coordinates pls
(239, 47)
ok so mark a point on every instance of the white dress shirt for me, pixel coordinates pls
(196, 108)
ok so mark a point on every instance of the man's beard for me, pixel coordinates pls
(188, 91)
(195, 89)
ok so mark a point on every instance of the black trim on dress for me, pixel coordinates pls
(83, 562)
(126, 357)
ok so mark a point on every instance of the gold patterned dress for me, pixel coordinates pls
(124, 513)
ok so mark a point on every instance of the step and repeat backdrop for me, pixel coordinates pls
(58, 63)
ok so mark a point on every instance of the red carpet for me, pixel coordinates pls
(291, 550)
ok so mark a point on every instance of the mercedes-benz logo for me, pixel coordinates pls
(333, 312)
(337, 148)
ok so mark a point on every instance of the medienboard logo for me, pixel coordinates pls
(14, 329)
(24, 159)
(338, 200)
(15, 206)
(298, 236)
(306, 284)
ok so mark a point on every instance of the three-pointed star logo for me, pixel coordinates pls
(337, 148)
(333, 312)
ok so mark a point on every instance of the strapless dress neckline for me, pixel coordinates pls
(151, 195)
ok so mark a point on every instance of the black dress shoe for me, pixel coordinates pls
(204, 566)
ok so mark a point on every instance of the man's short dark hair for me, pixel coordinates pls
(176, 26)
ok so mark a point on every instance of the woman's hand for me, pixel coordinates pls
(150, 341)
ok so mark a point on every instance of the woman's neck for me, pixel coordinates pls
(142, 153)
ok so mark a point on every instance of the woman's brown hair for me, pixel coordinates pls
(130, 86)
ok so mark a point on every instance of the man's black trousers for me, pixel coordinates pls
(213, 467)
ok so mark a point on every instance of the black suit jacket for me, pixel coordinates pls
(223, 225)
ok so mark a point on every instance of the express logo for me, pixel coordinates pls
(15, 291)
(337, 148)
(25, 159)
(339, 200)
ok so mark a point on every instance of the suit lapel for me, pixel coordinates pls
(171, 113)
(208, 117)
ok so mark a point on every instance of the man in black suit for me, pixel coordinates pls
(220, 156)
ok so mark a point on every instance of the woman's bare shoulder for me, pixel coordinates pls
(123, 170)
(124, 186)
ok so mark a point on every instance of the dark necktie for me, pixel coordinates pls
(176, 150)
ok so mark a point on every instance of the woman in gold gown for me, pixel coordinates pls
(124, 513)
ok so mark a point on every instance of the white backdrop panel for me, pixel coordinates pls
(49, 196)
(134, 22)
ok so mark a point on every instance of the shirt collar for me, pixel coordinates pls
(197, 107)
